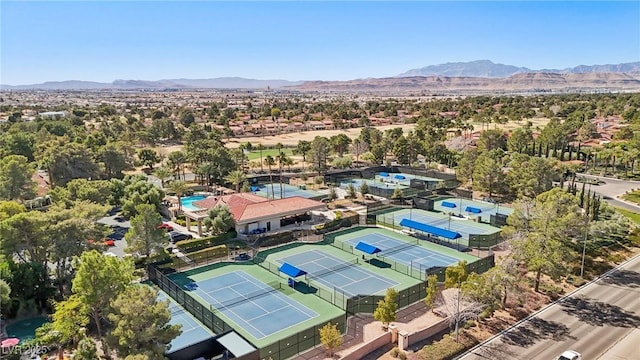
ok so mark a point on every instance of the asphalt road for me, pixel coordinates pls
(600, 321)
(612, 188)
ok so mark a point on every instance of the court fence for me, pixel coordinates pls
(478, 241)
(279, 350)
(416, 270)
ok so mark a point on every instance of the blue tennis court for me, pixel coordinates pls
(334, 272)
(259, 308)
(408, 253)
(288, 190)
(192, 331)
(460, 225)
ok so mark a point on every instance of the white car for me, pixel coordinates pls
(570, 355)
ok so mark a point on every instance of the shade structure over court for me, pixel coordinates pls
(448, 204)
(447, 234)
(473, 210)
(291, 270)
(367, 248)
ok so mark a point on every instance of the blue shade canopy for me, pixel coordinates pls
(384, 174)
(448, 204)
(447, 234)
(366, 248)
(399, 177)
(291, 270)
(472, 209)
(255, 188)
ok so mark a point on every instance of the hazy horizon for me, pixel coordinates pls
(308, 40)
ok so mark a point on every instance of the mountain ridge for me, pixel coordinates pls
(487, 68)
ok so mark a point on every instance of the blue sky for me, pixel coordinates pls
(302, 40)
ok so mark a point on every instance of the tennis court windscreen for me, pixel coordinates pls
(333, 269)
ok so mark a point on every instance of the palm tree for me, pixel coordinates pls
(236, 177)
(260, 148)
(282, 160)
(162, 173)
(178, 187)
(270, 161)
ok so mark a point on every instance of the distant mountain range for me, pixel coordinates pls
(480, 75)
(215, 83)
(538, 82)
(489, 69)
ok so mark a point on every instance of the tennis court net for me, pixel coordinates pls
(220, 305)
(333, 269)
(399, 248)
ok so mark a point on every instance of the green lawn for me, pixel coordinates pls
(634, 216)
(255, 155)
(633, 197)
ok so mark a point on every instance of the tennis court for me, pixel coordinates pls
(460, 225)
(288, 190)
(378, 183)
(409, 253)
(334, 272)
(402, 178)
(259, 308)
(192, 331)
(462, 206)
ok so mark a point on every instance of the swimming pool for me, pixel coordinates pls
(187, 202)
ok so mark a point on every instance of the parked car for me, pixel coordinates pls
(165, 226)
(175, 236)
(243, 257)
(570, 355)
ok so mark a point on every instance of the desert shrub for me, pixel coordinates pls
(402, 355)
(394, 352)
(446, 348)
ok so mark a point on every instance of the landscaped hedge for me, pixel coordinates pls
(209, 253)
(205, 242)
(332, 226)
(276, 239)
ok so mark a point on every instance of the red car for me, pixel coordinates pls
(105, 242)
(165, 226)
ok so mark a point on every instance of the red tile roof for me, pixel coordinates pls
(246, 206)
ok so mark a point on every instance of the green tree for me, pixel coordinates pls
(113, 159)
(236, 178)
(137, 190)
(162, 173)
(141, 323)
(99, 280)
(68, 326)
(541, 233)
(5, 294)
(397, 193)
(520, 139)
(65, 161)
(179, 188)
(340, 143)
(177, 159)
(330, 338)
(466, 166)
(219, 220)
(303, 149)
(319, 154)
(455, 275)
(148, 157)
(387, 307)
(401, 150)
(487, 174)
(144, 236)
(260, 148)
(352, 193)
(86, 350)
(364, 188)
(432, 290)
(530, 176)
(15, 178)
(10, 208)
(270, 162)
(492, 140)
